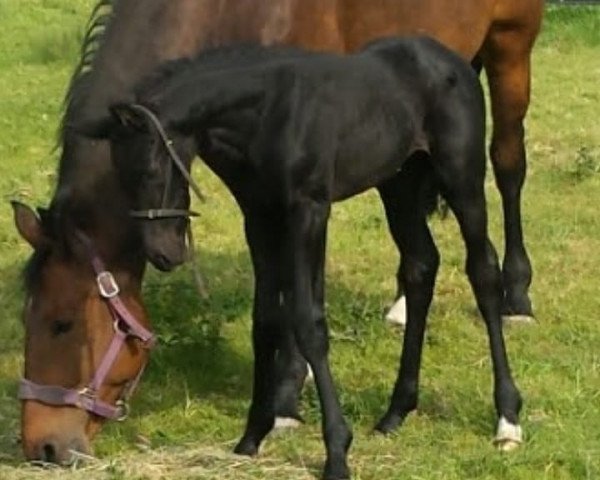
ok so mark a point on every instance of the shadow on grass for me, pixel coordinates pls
(195, 361)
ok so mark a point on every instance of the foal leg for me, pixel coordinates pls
(397, 313)
(405, 212)
(506, 57)
(464, 190)
(263, 235)
(306, 240)
(291, 372)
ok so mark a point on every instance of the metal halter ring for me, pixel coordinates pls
(107, 284)
(124, 407)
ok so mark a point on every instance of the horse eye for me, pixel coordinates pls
(59, 327)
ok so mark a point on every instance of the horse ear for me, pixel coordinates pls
(128, 116)
(29, 225)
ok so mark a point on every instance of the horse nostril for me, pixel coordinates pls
(49, 453)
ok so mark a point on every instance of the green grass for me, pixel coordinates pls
(192, 403)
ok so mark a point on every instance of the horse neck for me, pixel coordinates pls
(140, 36)
(90, 197)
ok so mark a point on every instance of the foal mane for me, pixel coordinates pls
(212, 59)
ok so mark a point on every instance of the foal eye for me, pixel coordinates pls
(59, 327)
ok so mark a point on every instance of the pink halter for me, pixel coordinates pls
(125, 325)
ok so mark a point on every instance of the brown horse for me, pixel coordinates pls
(124, 42)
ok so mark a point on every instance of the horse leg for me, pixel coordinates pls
(463, 186)
(402, 199)
(263, 235)
(291, 372)
(306, 241)
(506, 58)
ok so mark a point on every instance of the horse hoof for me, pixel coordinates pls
(515, 319)
(284, 423)
(508, 436)
(397, 314)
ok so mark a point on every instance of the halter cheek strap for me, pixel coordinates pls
(158, 213)
(162, 212)
(125, 326)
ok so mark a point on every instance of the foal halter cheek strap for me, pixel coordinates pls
(125, 325)
(162, 212)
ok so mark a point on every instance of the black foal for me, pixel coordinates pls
(289, 133)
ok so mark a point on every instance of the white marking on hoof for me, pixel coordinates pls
(508, 436)
(397, 314)
(310, 376)
(286, 422)
(517, 319)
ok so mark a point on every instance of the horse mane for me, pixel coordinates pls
(101, 15)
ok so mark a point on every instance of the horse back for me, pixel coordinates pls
(359, 22)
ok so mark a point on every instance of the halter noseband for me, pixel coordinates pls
(125, 325)
(162, 212)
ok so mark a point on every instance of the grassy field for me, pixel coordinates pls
(192, 403)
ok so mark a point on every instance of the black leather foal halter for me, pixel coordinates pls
(163, 212)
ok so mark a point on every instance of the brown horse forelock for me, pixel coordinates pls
(140, 35)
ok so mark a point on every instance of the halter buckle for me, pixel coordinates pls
(85, 393)
(107, 285)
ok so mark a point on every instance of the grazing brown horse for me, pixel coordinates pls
(87, 219)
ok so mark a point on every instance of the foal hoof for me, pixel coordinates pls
(508, 436)
(246, 447)
(388, 423)
(515, 319)
(336, 471)
(397, 314)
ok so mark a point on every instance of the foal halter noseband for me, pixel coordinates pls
(162, 212)
(125, 325)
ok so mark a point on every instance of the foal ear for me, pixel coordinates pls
(28, 225)
(126, 115)
(123, 119)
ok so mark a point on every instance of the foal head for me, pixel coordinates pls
(69, 328)
(156, 185)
